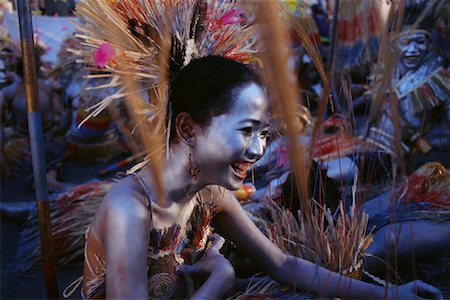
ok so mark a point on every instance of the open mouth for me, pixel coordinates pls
(412, 58)
(240, 169)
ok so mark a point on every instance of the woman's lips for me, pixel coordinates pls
(240, 169)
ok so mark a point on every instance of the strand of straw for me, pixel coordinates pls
(276, 55)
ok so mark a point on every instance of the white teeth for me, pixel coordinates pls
(241, 167)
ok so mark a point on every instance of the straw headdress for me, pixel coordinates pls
(128, 39)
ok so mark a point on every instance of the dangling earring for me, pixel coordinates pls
(193, 171)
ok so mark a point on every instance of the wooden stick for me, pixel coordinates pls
(37, 147)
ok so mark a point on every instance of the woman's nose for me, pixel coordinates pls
(411, 48)
(256, 149)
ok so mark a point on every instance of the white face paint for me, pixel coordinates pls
(414, 48)
(2, 72)
(226, 149)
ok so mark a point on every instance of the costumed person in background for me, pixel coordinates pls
(101, 138)
(411, 229)
(411, 222)
(15, 145)
(141, 246)
(8, 55)
(95, 138)
(421, 85)
(71, 76)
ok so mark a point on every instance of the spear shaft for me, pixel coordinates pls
(37, 149)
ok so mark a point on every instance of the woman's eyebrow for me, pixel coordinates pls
(255, 123)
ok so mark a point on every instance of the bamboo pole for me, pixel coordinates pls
(37, 150)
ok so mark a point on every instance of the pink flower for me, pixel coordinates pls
(104, 54)
(233, 16)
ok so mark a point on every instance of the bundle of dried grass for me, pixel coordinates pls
(335, 241)
(71, 214)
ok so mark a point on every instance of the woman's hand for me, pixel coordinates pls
(415, 290)
(212, 262)
(214, 265)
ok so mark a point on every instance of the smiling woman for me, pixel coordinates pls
(216, 139)
(141, 246)
(137, 247)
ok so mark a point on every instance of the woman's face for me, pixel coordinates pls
(227, 148)
(414, 48)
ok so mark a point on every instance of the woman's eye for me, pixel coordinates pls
(247, 131)
(403, 43)
(421, 41)
(264, 134)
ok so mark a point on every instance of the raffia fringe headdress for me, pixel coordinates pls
(125, 39)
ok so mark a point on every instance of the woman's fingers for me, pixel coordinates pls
(218, 242)
(427, 291)
(210, 261)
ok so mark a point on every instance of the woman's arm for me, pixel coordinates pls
(234, 223)
(125, 236)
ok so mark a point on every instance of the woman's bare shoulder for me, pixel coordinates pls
(124, 203)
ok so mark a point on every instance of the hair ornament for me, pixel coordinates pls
(191, 50)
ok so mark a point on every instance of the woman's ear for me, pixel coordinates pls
(184, 126)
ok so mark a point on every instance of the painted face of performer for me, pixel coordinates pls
(233, 141)
(414, 47)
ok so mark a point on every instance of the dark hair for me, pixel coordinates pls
(205, 88)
